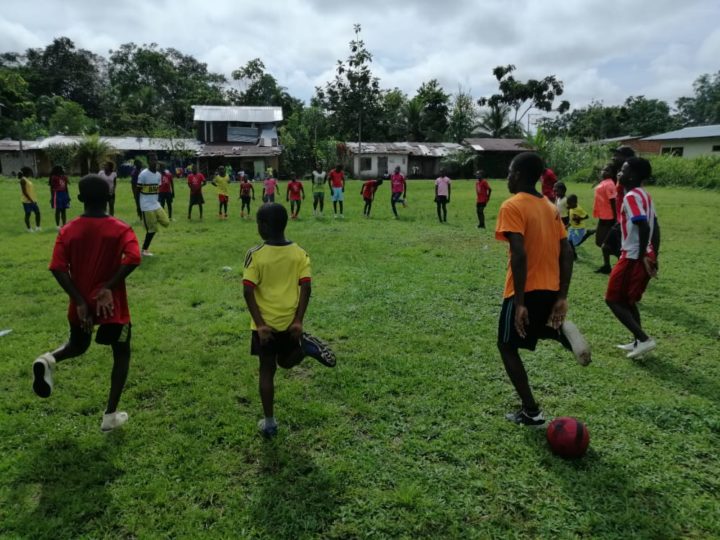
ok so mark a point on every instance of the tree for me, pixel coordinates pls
(596, 121)
(262, 89)
(496, 122)
(412, 111)
(524, 96)
(17, 110)
(642, 116)
(91, 152)
(435, 108)
(463, 118)
(393, 121)
(353, 98)
(704, 107)
(62, 154)
(69, 118)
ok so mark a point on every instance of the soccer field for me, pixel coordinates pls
(406, 437)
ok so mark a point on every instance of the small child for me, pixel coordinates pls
(277, 288)
(195, 183)
(368, 194)
(561, 202)
(59, 194)
(294, 193)
(246, 191)
(483, 191)
(93, 255)
(577, 233)
(222, 183)
(29, 198)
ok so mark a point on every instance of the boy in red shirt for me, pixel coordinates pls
(195, 183)
(398, 188)
(483, 191)
(166, 191)
(246, 191)
(295, 192)
(336, 179)
(93, 255)
(59, 195)
(368, 194)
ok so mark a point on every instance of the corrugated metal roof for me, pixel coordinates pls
(497, 145)
(8, 145)
(617, 139)
(217, 113)
(239, 150)
(124, 144)
(697, 132)
(405, 148)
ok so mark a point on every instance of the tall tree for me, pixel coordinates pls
(412, 112)
(262, 89)
(704, 107)
(394, 125)
(353, 98)
(69, 118)
(463, 117)
(496, 122)
(524, 96)
(642, 116)
(435, 109)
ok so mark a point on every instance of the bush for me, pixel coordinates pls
(569, 158)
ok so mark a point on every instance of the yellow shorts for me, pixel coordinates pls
(153, 217)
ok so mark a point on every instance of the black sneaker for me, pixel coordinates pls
(318, 349)
(603, 270)
(531, 419)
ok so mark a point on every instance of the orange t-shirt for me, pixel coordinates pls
(537, 219)
(605, 191)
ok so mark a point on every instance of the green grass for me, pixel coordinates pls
(406, 437)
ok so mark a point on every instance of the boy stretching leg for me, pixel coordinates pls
(276, 283)
(538, 278)
(93, 255)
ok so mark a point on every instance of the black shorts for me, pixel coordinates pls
(107, 334)
(441, 199)
(245, 200)
(613, 240)
(196, 199)
(282, 344)
(539, 305)
(165, 197)
(603, 228)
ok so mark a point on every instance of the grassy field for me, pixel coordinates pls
(406, 437)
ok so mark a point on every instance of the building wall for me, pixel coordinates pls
(694, 147)
(10, 162)
(393, 160)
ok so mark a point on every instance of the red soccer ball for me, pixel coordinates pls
(568, 437)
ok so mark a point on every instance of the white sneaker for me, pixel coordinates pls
(627, 347)
(30, 230)
(334, 216)
(58, 228)
(146, 253)
(578, 343)
(113, 420)
(43, 368)
(38, 229)
(342, 216)
(642, 347)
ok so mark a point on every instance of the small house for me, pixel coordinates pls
(689, 142)
(416, 160)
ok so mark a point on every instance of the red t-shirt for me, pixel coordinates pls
(195, 182)
(165, 184)
(58, 183)
(397, 183)
(294, 188)
(369, 188)
(548, 180)
(336, 178)
(482, 188)
(91, 250)
(245, 188)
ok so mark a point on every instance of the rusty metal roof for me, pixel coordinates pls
(253, 115)
(426, 149)
(239, 150)
(497, 145)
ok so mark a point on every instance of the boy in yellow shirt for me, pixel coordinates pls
(277, 288)
(577, 233)
(222, 183)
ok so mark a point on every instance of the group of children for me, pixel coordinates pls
(94, 253)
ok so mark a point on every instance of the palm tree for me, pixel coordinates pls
(496, 123)
(412, 111)
(93, 151)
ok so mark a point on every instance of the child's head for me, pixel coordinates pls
(572, 201)
(57, 170)
(525, 170)
(634, 172)
(272, 219)
(137, 163)
(559, 189)
(293, 176)
(94, 192)
(338, 167)
(622, 154)
(397, 169)
(221, 170)
(152, 161)
(109, 167)
(608, 171)
(25, 172)
(479, 174)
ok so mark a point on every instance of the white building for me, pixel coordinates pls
(690, 142)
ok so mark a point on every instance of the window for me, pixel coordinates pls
(365, 163)
(672, 151)
(273, 141)
(716, 148)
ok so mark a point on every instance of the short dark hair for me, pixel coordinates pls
(25, 171)
(640, 167)
(560, 185)
(624, 151)
(529, 165)
(93, 190)
(274, 217)
(571, 198)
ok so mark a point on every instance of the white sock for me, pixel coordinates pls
(270, 421)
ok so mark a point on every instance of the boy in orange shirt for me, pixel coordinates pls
(538, 278)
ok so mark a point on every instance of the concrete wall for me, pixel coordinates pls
(393, 160)
(694, 147)
(10, 162)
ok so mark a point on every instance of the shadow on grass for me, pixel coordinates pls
(608, 496)
(61, 491)
(677, 315)
(682, 379)
(296, 498)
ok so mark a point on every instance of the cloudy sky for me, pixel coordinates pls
(602, 49)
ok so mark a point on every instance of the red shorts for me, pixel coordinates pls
(628, 281)
(223, 198)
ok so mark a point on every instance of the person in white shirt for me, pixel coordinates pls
(152, 213)
(110, 176)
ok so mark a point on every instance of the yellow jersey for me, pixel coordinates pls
(30, 190)
(577, 215)
(223, 185)
(276, 272)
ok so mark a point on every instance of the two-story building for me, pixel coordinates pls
(242, 137)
